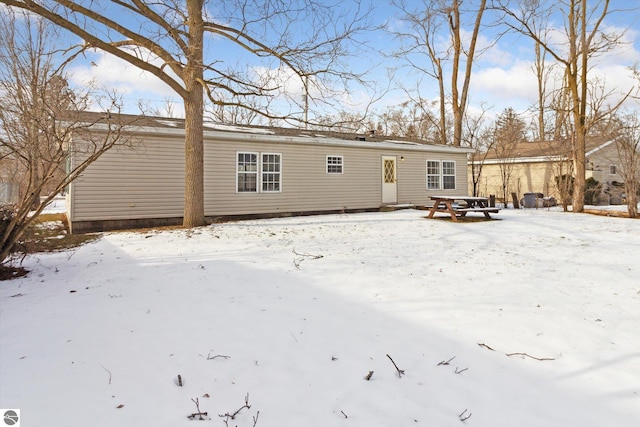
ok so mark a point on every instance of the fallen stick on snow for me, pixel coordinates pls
(530, 356)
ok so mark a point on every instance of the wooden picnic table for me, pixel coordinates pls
(447, 204)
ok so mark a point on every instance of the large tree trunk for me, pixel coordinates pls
(632, 200)
(460, 99)
(456, 106)
(580, 118)
(579, 168)
(194, 114)
(193, 156)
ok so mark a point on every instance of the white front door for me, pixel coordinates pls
(389, 184)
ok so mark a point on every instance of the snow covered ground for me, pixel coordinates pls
(529, 320)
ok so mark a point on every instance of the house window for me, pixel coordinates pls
(448, 175)
(613, 170)
(259, 172)
(441, 175)
(270, 173)
(433, 175)
(334, 164)
(247, 172)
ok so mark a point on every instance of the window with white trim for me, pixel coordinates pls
(448, 175)
(271, 173)
(613, 170)
(433, 175)
(259, 172)
(441, 175)
(247, 175)
(334, 164)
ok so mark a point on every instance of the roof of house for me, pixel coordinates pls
(544, 150)
(174, 126)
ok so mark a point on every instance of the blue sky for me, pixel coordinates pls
(502, 76)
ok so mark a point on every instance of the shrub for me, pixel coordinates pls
(592, 189)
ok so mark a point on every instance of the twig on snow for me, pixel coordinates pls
(198, 414)
(459, 371)
(108, 371)
(530, 356)
(444, 363)
(368, 376)
(210, 357)
(485, 346)
(233, 416)
(464, 418)
(180, 380)
(302, 256)
(345, 415)
(400, 371)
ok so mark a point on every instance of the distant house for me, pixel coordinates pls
(532, 167)
(257, 172)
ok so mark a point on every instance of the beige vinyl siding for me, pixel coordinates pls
(148, 181)
(412, 176)
(601, 161)
(305, 184)
(130, 183)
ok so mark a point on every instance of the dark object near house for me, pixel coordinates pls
(530, 200)
(516, 204)
(538, 200)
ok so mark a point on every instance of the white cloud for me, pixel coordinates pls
(514, 86)
(113, 73)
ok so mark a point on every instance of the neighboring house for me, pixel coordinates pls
(8, 193)
(532, 167)
(257, 171)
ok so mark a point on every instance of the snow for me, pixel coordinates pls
(233, 128)
(302, 308)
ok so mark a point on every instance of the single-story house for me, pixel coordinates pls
(256, 171)
(532, 167)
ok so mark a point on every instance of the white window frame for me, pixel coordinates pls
(334, 162)
(244, 172)
(277, 173)
(435, 180)
(430, 184)
(260, 174)
(448, 175)
(613, 170)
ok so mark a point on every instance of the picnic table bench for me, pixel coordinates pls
(448, 204)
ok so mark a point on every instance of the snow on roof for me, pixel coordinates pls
(236, 128)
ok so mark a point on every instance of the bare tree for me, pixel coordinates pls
(478, 136)
(423, 50)
(179, 42)
(411, 119)
(508, 133)
(39, 115)
(562, 164)
(626, 131)
(574, 47)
